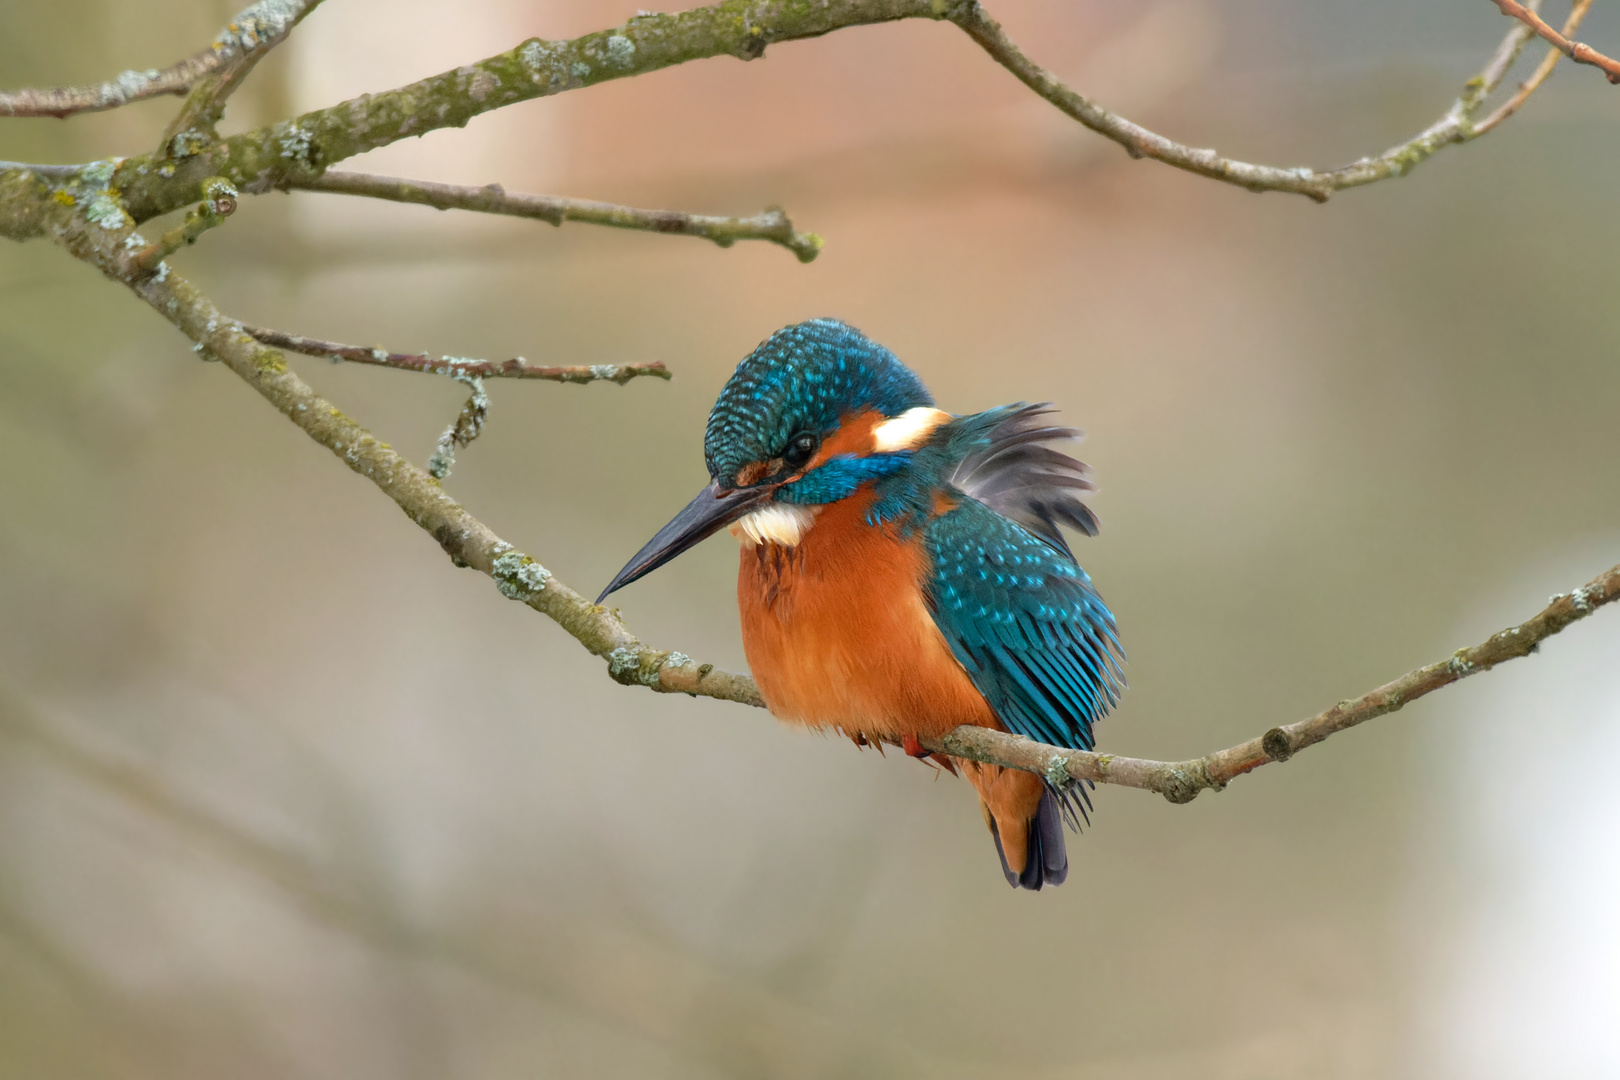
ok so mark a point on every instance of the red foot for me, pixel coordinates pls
(912, 746)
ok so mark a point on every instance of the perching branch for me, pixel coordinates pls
(456, 366)
(1181, 781)
(1577, 13)
(1581, 54)
(772, 224)
(251, 33)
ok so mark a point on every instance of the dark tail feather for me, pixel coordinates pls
(1047, 861)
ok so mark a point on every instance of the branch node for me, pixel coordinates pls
(219, 203)
(1277, 745)
(517, 576)
(1178, 786)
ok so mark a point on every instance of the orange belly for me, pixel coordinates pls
(837, 634)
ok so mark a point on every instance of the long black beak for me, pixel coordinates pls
(713, 509)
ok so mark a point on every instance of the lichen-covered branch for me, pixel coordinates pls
(295, 151)
(772, 225)
(247, 40)
(1181, 781)
(1577, 13)
(1581, 54)
(241, 38)
(456, 366)
(468, 425)
(1454, 127)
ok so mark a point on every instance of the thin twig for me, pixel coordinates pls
(1581, 54)
(1577, 13)
(239, 37)
(469, 424)
(219, 203)
(456, 366)
(1454, 127)
(772, 225)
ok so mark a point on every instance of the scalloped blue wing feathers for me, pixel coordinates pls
(1022, 618)
(1016, 608)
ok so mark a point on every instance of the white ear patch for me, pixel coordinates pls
(909, 430)
(779, 523)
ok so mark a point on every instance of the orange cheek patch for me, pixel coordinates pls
(854, 436)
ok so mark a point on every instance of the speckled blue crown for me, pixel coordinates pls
(803, 378)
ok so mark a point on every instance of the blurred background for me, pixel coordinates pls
(283, 794)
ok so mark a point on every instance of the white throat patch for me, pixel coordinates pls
(779, 523)
(909, 430)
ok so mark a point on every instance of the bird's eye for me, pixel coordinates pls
(799, 449)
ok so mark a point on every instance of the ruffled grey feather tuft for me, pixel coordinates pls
(1020, 478)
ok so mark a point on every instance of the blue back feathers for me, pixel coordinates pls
(803, 378)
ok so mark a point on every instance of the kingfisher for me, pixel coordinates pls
(903, 570)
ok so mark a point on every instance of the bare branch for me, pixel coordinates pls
(773, 224)
(1581, 54)
(1181, 781)
(1454, 127)
(1577, 13)
(64, 101)
(248, 36)
(456, 366)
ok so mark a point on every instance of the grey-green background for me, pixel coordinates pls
(283, 794)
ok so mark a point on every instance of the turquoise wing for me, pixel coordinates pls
(1022, 617)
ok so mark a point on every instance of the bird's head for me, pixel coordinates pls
(811, 414)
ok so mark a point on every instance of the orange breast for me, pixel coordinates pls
(837, 634)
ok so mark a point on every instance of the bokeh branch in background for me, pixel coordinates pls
(92, 211)
(1581, 54)
(772, 225)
